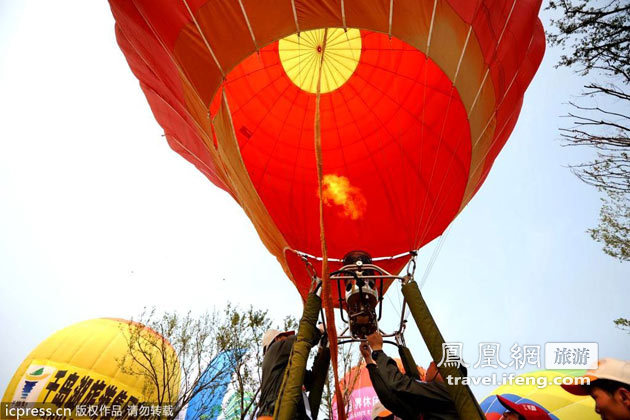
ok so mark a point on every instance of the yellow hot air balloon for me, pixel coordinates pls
(88, 364)
(556, 401)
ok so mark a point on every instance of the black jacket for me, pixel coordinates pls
(406, 397)
(273, 367)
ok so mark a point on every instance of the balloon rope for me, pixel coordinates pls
(326, 297)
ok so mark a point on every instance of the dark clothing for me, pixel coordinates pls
(273, 367)
(406, 397)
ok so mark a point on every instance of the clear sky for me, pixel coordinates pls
(99, 218)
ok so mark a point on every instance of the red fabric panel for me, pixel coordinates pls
(399, 142)
(513, 59)
(166, 18)
(466, 9)
(159, 81)
(144, 53)
(508, 111)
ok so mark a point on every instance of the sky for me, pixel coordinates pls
(100, 218)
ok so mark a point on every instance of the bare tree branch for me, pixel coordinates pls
(597, 36)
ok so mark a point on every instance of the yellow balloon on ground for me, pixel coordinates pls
(560, 404)
(88, 364)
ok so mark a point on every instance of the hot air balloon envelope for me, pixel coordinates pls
(396, 110)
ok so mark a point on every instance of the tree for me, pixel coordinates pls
(596, 35)
(623, 324)
(614, 227)
(243, 332)
(348, 362)
(216, 349)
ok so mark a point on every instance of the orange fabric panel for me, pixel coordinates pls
(197, 64)
(318, 14)
(448, 40)
(223, 25)
(270, 19)
(376, 18)
(411, 22)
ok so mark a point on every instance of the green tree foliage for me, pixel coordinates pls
(244, 330)
(623, 324)
(614, 227)
(595, 35)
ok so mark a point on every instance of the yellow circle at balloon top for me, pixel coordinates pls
(301, 57)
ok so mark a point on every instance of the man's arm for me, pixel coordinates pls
(385, 395)
(423, 394)
(387, 366)
(388, 398)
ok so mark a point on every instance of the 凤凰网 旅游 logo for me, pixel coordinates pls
(31, 379)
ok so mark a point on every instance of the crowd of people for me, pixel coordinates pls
(404, 397)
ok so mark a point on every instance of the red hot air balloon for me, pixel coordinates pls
(402, 104)
(337, 125)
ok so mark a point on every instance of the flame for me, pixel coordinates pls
(337, 190)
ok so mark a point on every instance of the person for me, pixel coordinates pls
(523, 411)
(277, 347)
(405, 397)
(379, 412)
(609, 386)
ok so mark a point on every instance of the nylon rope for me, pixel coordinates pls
(497, 135)
(249, 26)
(326, 298)
(481, 161)
(295, 18)
(422, 117)
(405, 218)
(192, 16)
(396, 210)
(434, 257)
(390, 18)
(420, 238)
